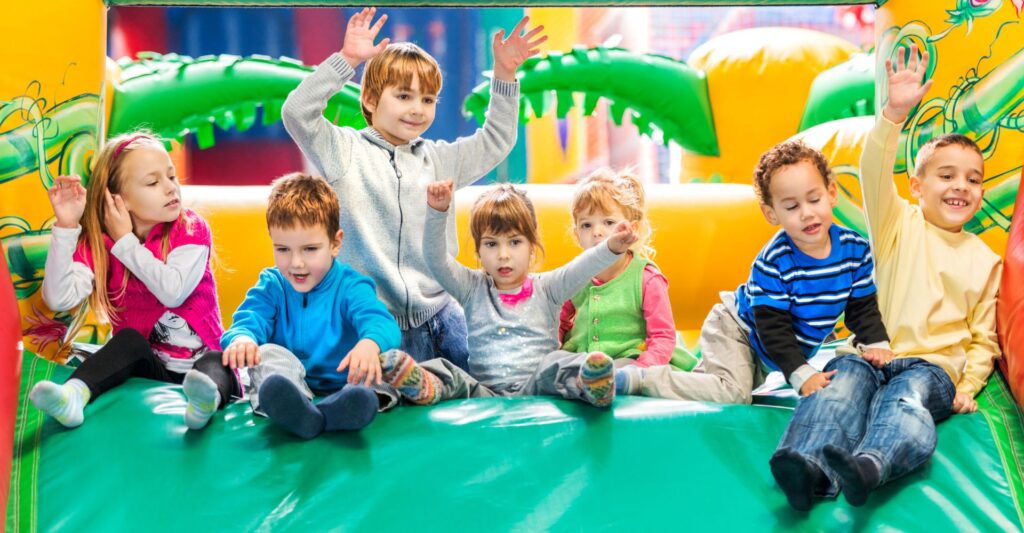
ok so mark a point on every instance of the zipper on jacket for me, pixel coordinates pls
(305, 299)
(401, 220)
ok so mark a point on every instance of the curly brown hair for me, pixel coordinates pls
(782, 155)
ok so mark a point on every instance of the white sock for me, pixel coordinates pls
(203, 399)
(65, 403)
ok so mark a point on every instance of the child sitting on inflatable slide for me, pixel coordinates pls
(308, 314)
(809, 274)
(512, 314)
(143, 262)
(937, 285)
(379, 172)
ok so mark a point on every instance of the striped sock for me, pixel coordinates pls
(203, 399)
(65, 403)
(417, 385)
(596, 379)
(628, 380)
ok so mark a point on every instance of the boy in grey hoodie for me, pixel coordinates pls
(381, 172)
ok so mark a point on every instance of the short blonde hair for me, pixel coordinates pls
(605, 190)
(299, 199)
(395, 67)
(503, 210)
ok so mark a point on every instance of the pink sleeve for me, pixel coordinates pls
(565, 320)
(661, 327)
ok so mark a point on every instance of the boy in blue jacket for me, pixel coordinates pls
(312, 325)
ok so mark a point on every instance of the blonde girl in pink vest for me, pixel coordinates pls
(129, 246)
(625, 310)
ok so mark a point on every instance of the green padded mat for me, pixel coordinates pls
(491, 464)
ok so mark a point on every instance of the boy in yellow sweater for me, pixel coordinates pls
(937, 287)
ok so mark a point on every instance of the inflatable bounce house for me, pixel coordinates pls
(507, 463)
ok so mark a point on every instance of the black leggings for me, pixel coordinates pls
(128, 354)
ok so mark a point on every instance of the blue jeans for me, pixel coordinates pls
(442, 335)
(888, 414)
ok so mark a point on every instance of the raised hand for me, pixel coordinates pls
(116, 220)
(68, 199)
(512, 52)
(623, 238)
(905, 87)
(359, 37)
(439, 195)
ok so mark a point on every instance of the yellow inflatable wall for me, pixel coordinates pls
(53, 61)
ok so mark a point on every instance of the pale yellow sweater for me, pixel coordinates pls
(936, 289)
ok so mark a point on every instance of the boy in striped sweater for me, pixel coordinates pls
(808, 275)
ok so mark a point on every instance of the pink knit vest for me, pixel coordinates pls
(139, 309)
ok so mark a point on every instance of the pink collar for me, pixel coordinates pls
(524, 293)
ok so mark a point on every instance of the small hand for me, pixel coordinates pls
(359, 37)
(512, 52)
(241, 353)
(964, 403)
(905, 88)
(363, 363)
(68, 199)
(117, 220)
(623, 238)
(439, 195)
(878, 357)
(816, 382)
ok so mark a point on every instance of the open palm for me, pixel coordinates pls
(512, 52)
(905, 87)
(68, 199)
(360, 34)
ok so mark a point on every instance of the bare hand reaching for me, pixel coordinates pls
(512, 52)
(623, 238)
(439, 195)
(905, 87)
(359, 37)
(68, 199)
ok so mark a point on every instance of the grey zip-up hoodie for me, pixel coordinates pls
(382, 187)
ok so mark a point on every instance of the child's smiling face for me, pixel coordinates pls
(949, 187)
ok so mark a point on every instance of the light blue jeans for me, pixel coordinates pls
(888, 414)
(441, 336)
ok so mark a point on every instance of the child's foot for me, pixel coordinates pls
(65, 403)
(797, 477)
(628, 380)
(203, 399)
(285, 404)
(859, 474)
(596, 379)
(417, 385)
(349, 409)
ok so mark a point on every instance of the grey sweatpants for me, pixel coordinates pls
(275, 359)
(731, 370)
(555, 376)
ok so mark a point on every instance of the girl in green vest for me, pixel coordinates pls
(625, 310)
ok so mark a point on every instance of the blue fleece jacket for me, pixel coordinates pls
(320, 326)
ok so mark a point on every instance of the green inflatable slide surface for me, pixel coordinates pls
(488, 464)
